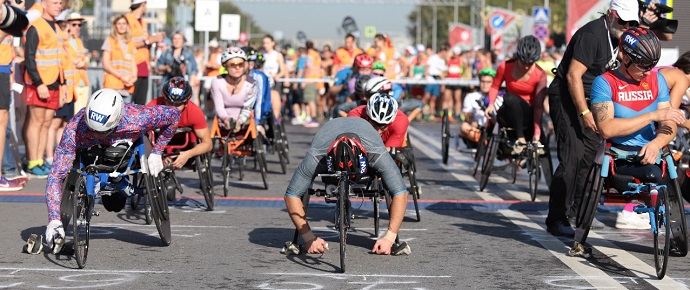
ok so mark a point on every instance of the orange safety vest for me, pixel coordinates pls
(313, 71)
(139, 33)
(77, 54)
(48, 52)
(346, 58)
(213, 59)
(6, 51)
(122, 63)
(69, 69)
(386, 56)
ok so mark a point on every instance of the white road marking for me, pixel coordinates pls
(16, 270)
(556, 247)
(343, 276)
(152, 225)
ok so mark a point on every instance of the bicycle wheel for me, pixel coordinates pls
(414, 191)
(159, 208)
(679, 228)
(286, 144)
(534, 172)
(481, 148)
(343, 190)
(206, 184)
(445, 136)
(225, 168)
(488, 162)
(260, 156)
(81, 223)
(148, 213)
(662, 237)
(281, 156)
(588, 204)
(377, 214)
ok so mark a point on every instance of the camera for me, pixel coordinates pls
(13, 20)
(663, 24)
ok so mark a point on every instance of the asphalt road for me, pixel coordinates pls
(494, 239)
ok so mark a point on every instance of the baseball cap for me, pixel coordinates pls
(628, 10)
(411, 50)
(134, 2)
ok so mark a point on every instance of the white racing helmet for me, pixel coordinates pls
(382, 108)
(233, 52)
(104, 110)
(377, 85)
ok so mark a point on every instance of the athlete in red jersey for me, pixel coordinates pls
(176, 92)
(382, 113)
(526, 88)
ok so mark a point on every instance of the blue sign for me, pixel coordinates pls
(497, 21)
(541, 15)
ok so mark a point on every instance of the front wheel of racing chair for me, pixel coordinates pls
(445, 136)
(81, 225)
(160, 211)
(203, 167)
(489, 157)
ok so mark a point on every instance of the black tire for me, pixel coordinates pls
(286, 144)
(134, 201)
(513, 169)
(481, 148)
(281, 156)
(205, 180)
(241, 166)
(159, 208)
(225, 169)
(81, 223)
(445, 136)
(534, 172)
(414, 190)
(148, 212)
(679, 228)
(260, 157)
(488, 162)
(343, 190)
(377, 214)
(588, 205)
(662, 236)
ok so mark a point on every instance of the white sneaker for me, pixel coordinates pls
(297, 121)
(632, 221)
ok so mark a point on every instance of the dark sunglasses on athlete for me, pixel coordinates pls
(643, 65)
(380, 75)
(76, 24)
(236, 64)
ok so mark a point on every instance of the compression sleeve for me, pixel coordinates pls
(259, 83)
(303, 177)
(248, 104)
(64, 157)
(601, 91)
(496, 85)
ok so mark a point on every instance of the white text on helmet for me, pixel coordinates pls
(362, 164)
(97, 117)
(630, 40)
(176, 91)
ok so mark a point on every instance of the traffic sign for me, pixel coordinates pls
(541, 15)
(230, 26)
(206, 15)
(541, 32)
(497, 21)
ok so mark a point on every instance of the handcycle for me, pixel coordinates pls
(500, 146)
(235, 147)
(663, 203)
(276, 140)
(185, 139)
(99, 171)
(339, 189)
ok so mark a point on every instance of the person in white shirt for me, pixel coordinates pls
(436, 67)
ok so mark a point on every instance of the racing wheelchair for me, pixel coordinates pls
(276, 140)
(499, 144)
(404, 158)
(235, 147)
(185, 139)
(340, 189)
(663, 203)
(113, 172)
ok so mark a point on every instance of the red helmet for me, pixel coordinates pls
(347, 154)
(363, 60)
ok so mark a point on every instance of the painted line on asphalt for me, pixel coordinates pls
(16, 270)
(105, 225)
(557, 248)
(355, 275)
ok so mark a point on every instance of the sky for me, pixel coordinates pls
(321, 21)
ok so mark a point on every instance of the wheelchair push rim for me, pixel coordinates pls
(662, 235)
(81, 224)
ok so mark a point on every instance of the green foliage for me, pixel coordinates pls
(445, 16)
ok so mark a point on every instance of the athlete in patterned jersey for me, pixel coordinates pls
(627, 101)
(105, 120)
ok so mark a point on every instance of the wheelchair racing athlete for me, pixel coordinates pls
(365, 145)
(382, 113)
(234, 93)
(345, 79)
(626, 103)
(356, 99)
(105, 121)
(177, 92)
(473, 107)
(412, 107)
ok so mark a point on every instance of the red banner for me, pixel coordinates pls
(460, 34)
(582, 11)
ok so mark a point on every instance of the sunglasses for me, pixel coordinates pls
(76, 24)
(622, 22)
(643, 66)
(380, 75)
(236, 64)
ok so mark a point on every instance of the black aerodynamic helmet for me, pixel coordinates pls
(347, 154)
(177, 91)
(360, 86)
(529, 49)
(253, 55)
(642, 46)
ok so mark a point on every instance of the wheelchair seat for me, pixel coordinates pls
(107, 158)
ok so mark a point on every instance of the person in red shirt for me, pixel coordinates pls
(523, 102)
(382, 113)
(177, 92)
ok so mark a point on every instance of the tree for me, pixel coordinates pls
(445, 16)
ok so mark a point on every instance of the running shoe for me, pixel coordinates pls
(18, 178)
(9, 185)
(38, 172)
(631, 221)
(311, 124)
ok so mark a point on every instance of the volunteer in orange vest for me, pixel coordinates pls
(384, 52)
(142, 42)
(75, 48)
(119, 58)
(43, 77)
(345, 56)
(66, 110)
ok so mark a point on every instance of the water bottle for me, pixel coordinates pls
(653, 195)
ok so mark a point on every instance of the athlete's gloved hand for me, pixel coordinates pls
(53, 229)
(155, 164)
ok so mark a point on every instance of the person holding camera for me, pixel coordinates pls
(650, 17)
(177, 61)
